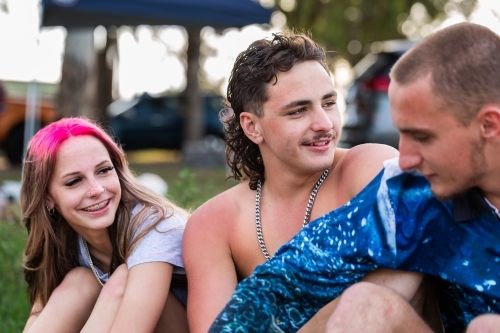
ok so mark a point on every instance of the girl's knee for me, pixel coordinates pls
(115, 287)
(79, 282)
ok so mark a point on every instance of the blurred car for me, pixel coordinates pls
(158, 122)
(12, 122)
(367, 115)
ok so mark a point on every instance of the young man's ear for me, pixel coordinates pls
(251, 126)
(489, 118)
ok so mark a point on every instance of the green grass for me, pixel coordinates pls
(188, 187)
(14, 305)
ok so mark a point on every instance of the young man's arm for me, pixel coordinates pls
(209, 265)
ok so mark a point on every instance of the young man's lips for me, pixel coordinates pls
(429, 176)
(320, 143)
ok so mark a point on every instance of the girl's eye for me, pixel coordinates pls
(106, 169)
(72, 182)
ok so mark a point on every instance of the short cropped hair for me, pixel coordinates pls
(464, 63)
(253, 70)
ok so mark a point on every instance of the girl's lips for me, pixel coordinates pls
(97, 207)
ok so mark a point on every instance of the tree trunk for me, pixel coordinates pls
(77, 90)
(194, 127)
(105, 59)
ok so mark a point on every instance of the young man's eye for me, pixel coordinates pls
(421, 138)
(329, 104)
(297, 112)
(72, 182)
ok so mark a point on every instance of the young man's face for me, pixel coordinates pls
(433, 141)
(300, 126)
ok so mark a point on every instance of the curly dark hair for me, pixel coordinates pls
(253, 69)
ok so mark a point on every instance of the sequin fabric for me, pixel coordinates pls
(395, 222)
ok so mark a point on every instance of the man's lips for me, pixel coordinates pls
(318, 143)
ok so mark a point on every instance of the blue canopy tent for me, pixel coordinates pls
(188, 13)
(192, 14)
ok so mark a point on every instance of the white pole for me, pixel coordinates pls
(32, 119)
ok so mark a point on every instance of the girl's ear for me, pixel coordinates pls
(250, 124)
(49, 202)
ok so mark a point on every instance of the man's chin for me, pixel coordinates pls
(443, 195)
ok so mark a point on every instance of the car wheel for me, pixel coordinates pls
(14, 145)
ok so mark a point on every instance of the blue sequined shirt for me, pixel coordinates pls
(395, 222)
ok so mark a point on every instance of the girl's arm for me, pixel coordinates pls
(132, 300)
(145, 297)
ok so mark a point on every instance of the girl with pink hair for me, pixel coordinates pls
(103, 253)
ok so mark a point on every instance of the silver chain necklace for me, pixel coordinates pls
(91, 263)
(307, 214)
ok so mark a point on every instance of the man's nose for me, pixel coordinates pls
(408, 156)
(322, 121)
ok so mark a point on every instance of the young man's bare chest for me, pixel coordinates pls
(279, 224)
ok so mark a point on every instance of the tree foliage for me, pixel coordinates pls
(337, 23)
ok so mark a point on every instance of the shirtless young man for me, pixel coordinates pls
(281, 136)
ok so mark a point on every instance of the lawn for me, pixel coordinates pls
(188, 187)
(14, 306)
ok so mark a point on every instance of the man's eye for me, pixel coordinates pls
(297, 112)
(329, 104)
(421, 138)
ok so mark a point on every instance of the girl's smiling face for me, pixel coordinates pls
(84, 187)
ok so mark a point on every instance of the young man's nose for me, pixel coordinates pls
(321, 121)
(408, 158)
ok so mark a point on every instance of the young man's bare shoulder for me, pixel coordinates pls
(360, 164)
(221, 209)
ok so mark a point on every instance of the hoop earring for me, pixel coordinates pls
(51, 211)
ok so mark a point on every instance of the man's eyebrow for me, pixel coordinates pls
(413, 131)
(330, 95)
(302, 102)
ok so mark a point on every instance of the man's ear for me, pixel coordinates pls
(251, 126)
(489, 119)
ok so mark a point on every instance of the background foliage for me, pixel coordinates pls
(353, 25)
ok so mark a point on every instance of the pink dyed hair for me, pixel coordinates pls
(48, 140)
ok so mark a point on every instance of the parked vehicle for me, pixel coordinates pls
(158, 122)
(367, 113)
(12, 122)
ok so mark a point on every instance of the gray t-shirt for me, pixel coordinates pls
(163, 246)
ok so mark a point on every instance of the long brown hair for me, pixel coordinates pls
(51, 249)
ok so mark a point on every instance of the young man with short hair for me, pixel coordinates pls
(282, 127)
(445, 101)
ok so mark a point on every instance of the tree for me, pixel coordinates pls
(349, 27)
